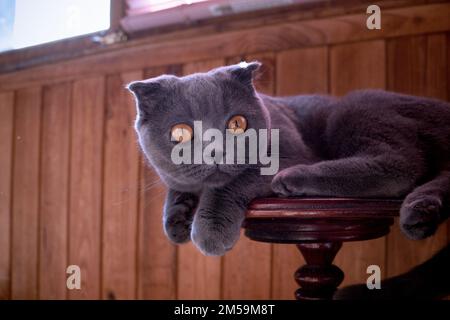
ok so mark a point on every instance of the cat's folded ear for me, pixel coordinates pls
(245, 72)
(147, 94)
(142, 89)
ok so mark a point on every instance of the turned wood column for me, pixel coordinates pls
(319, 278)
(318, 227)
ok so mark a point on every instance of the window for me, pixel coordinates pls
(147, 14)
(143, 6)
(25, 23)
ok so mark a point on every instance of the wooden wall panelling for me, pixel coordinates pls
(407, 65)
(437, 66)
(25, 205)
(416, 65)
(120, 190)
(356, 66)
(302, 71)
(6, 151)
(157, 273)
(199, 276)
(86, 163)
(255, 256)
(54, 191)
(299, 71)
(282, 36)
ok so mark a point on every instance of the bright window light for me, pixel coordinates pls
(35, 22)
(143, 6)
(158, 5)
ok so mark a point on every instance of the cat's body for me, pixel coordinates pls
(367, 144)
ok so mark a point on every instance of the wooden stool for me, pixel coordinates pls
(318, 226)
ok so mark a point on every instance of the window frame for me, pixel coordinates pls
(69, 48)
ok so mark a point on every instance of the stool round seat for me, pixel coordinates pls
(319, 226)
(290, 220)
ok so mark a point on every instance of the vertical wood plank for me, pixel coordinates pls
(357, 66)
(354, 66)
(53, 204)
(157, 273)
(6, 150)
(120, 190)
(300, 71)
(199, 276)
(437, 67)
(255, 281)
(25, 204)
(406, 69)
(416, 65)
(85, 207)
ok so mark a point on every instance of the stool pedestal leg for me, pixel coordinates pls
(319, 278)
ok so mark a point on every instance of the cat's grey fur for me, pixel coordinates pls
(370, 143)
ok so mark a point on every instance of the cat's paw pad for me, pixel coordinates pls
(213, 241)
(419, 218)
(178, 228)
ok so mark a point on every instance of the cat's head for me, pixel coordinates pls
(167, 106)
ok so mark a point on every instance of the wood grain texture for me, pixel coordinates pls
(25, 204)
(416, 65)
(281, 36)
(54, 191)
(356, 66)
(407, 61)
(6, 151)
(157, 264)
(85, 208)
(120, 190)
(302, 71)
(157, 273)
(437, 66)
(256, 256)
(292, 78)
(199, 276)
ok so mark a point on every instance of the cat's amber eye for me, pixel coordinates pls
(237, 124)
(181, 132)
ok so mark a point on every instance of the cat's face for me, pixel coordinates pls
(167, 103)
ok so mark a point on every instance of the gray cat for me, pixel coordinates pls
(370, 143)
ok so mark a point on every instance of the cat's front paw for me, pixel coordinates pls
(420, 216)
(178, 218)
(213, 239)
(286, 184)
(178, 228)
